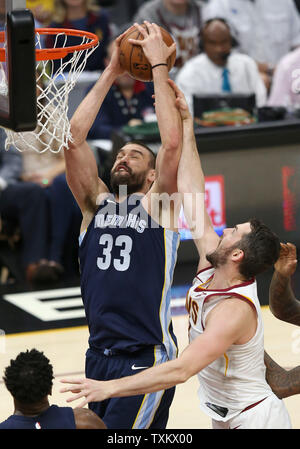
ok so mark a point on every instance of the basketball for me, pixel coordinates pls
(133, 60)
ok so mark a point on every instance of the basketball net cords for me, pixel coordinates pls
(53, 127)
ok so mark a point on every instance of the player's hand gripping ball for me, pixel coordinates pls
(133, 59)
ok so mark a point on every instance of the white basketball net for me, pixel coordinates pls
(53, 87)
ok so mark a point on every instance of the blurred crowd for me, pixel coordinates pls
(246, 47)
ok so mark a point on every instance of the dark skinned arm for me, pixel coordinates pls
(284, 383)
(283, 303)
(87, 419)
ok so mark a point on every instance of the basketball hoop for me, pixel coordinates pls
(56, 77)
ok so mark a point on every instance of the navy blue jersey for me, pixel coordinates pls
(127, 263)
(53, 418)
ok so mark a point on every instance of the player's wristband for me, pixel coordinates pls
(157, 65)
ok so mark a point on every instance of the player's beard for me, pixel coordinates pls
(133, 182)
(219, 257)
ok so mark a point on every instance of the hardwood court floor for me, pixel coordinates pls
(66, 349)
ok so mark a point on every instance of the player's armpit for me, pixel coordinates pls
(82, 176)
(232, 321)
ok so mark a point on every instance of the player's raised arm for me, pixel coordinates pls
(191, 185)
(81, 166)
(168, 117)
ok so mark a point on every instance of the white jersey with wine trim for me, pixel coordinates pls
(236, 380)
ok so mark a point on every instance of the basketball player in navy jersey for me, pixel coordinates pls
(29, 380)
(127, 252)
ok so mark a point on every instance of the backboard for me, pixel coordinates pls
(18, 70)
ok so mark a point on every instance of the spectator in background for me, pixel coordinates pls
(181, 18)
(218, 69)
(121, 11)
(47, 170)
(82, 15)
(42, 10)
(285, 90)
(25, 203)
(266, 29)
(127, 103)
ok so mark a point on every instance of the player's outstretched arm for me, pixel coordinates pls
(168, 118)
(284, 383)
(81, 166)
(191, 184)
(225, 327)
(282, 301)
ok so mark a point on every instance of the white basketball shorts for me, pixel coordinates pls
(271, 413)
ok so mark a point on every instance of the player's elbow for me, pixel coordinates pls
(78, 137)
(274, 311)
(183, 373)
(284, 314)
(278, 310)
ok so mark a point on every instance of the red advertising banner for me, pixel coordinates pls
(214, 203)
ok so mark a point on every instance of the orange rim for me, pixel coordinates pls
(44, 54)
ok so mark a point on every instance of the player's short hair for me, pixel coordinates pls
(152, 159)
(261, 249)
(29, 377)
